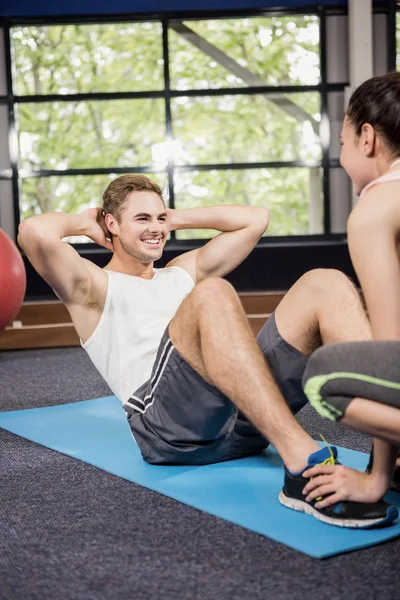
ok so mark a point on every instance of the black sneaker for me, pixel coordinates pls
(343, 514)
(395, 484)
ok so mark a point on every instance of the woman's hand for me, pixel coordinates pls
(336, 483)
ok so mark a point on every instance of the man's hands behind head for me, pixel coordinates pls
(95, 227)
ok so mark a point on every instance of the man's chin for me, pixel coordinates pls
(144, 255)
(153, 256)
(157, 255)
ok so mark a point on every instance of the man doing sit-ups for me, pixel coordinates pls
(175, 346)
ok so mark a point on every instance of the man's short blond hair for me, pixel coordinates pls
(116, 192)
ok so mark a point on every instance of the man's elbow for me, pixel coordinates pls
(28, 231)
(22, 233)
(261, 220)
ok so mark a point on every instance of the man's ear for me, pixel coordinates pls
(368, 139)
(111, 224)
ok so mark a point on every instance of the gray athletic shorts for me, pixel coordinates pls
(178, 418)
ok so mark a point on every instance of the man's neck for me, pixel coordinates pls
(131, 267)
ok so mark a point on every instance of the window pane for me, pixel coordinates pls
(337, 48)
(4, 148)
(244, 52)
(64, 135)
(293, 196)
(229, 129)
(3, 77)
(336, 112)
(67, 59)
(68, 194)
(341, 190)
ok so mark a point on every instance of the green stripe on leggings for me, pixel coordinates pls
(312, 390)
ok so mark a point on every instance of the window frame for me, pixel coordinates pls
(168, 94)
(327, 245)
(393, 11)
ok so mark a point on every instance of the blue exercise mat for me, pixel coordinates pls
(244, 491)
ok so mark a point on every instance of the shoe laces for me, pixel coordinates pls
(331, 460)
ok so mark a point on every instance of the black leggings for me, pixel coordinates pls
(338, 373)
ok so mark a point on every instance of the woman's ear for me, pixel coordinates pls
(368, 139)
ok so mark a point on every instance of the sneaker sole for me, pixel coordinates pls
(305, 507)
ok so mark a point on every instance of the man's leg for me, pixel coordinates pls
(322, 307)
(211, 332)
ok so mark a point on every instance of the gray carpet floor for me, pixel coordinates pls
(73, 532)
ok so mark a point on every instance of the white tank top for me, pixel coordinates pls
(124, 345)
(386, 178)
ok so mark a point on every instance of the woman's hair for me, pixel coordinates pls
(116, 192)
(377, 101)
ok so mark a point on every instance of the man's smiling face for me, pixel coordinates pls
(143, 228)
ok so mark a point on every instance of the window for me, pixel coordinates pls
(222, 110)
(78, 59)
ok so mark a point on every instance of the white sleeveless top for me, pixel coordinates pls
(386, 178)
(136, 313)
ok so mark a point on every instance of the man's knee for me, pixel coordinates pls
(213, 289)
(331, 282)
(207, 296)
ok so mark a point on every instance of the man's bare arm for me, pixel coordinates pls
(241, 227)
(56, 261)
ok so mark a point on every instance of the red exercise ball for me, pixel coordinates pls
(12, 280)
